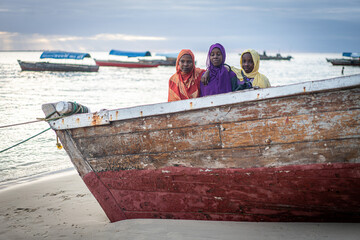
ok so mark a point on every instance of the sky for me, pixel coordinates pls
(169, 26)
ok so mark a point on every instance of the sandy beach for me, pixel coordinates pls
(61, 207)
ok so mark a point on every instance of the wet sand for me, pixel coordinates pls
(61, 207)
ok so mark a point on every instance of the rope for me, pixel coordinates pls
(38, 120)
(77, 108)
(17, 124)
(24, 140)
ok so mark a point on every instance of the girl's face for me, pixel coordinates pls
(186, 63)
(247, 63)
(216, 57)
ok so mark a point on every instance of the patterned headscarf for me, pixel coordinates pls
(185, 86)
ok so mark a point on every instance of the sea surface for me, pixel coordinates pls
(22, 93)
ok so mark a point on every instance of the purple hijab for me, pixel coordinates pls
(220, 80)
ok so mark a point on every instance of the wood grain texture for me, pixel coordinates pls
(309, 128)
(306, 104)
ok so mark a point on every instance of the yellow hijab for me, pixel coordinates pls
(260, 80)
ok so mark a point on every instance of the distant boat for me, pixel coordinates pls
(126, 64)
(130, 59)
(352, 59)
(170, 59)
(61, 61)
(288, 153)
(277, 57)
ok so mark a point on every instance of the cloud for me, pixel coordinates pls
(7, 34)
(11, 40)
(123, 37)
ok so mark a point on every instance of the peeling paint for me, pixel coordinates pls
(96, 119)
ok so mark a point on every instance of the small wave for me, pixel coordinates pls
(30, 178)
(27, 164)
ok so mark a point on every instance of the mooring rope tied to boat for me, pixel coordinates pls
(23, 123)
(25, 140)
(76, 108)
(38, 120)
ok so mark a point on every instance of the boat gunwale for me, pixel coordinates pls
(104, 117)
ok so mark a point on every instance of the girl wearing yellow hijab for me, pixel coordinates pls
(249, 72)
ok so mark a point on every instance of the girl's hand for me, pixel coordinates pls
(205, 78)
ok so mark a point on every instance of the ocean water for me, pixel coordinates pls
(23, 93)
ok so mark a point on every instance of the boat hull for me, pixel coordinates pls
(283, 157)
(315, 192)
(125, 64)
(262, 57)
(167, 62)
(344, 62)
(58, 67)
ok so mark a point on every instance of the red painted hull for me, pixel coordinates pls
(315, 192)
(125, 64)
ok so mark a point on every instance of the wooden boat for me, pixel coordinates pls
(169, 59)
(277, 57)
(136, 59)
(286, 153)
(352, 59)
(62, 65)
(47, 66)
(343, 62)
(126, 64)
(161, 62)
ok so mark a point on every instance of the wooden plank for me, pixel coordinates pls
(300, 128)
(330, 151)
(80, 163)
(194, 138)
(310, 104)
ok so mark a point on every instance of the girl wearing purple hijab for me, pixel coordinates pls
(220, 78)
